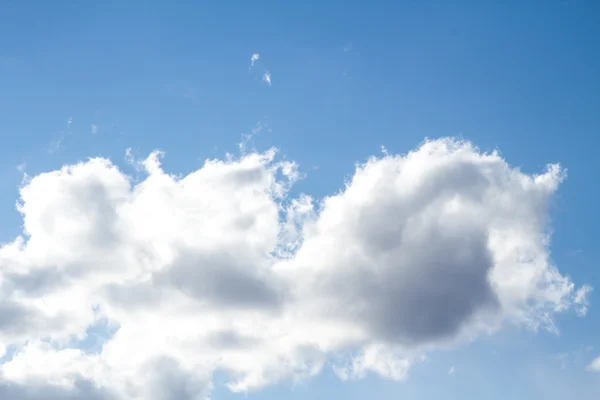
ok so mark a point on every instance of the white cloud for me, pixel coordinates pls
(581, 300)
(129, 156)
(451, 371)
(347, 47)
(267, 78)
(381, 359)
(222, 270)
(595, 365)
(94, 129)
(70, 121)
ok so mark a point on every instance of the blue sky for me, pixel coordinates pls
(88, 79)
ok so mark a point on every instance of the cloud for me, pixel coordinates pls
(69, 121)
(55, 145)
(595, 365)
(581, 300)
(451, 371)
(383, 360)
(267, 78)
(248, 137)
(94, 129)
(574, 357)
(222, 270)
(80, 390)
(347, 47)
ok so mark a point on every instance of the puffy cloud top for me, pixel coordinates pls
(221, 270)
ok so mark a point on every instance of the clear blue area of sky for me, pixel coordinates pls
(347, 77)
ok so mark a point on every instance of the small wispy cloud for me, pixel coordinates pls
(581, 300)
(574, 357)
(451, 371)
(253, 59)
(562, 358)
(247, 137)
(267, 78)
(69, 121)
(21, 167)
(94, 129)
(55, 145)
(131, 160)
(347, 47)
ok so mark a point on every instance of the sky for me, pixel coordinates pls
(257, 200)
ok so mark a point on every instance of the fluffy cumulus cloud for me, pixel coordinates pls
(123, 289)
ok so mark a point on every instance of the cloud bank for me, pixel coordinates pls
(222, 270)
